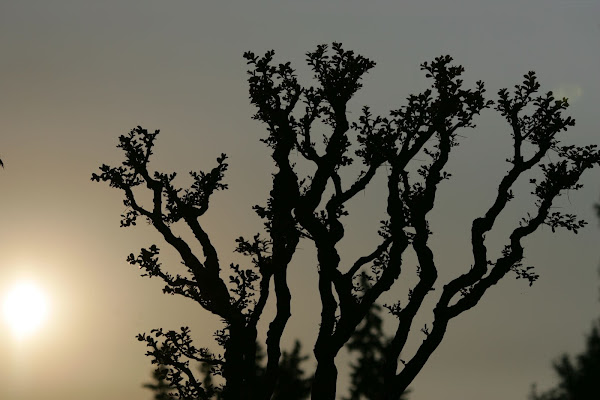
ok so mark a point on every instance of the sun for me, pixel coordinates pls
(25, 309)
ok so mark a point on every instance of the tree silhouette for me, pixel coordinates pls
(291, 385)
(370, 342)
(413, 144)
(580, 378)
(159, 386)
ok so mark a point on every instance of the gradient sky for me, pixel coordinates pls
(75, 74)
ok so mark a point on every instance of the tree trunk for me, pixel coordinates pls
(324, 383)
(234, 371)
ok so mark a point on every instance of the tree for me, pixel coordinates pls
(578, 379)
(311, 208)
(370, 342)
(159, 386)
(291, 385)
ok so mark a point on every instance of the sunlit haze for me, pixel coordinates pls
(77, 74)
(25, 309)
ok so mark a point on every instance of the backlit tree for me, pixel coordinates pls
(412, 145)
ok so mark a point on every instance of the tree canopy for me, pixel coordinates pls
(579, 376)
(413, 145)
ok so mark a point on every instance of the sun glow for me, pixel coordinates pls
(25, 309)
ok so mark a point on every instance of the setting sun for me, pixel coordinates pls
(25, 309)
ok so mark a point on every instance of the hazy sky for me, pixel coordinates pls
(76, 74)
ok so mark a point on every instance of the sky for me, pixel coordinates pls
(74, 75)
